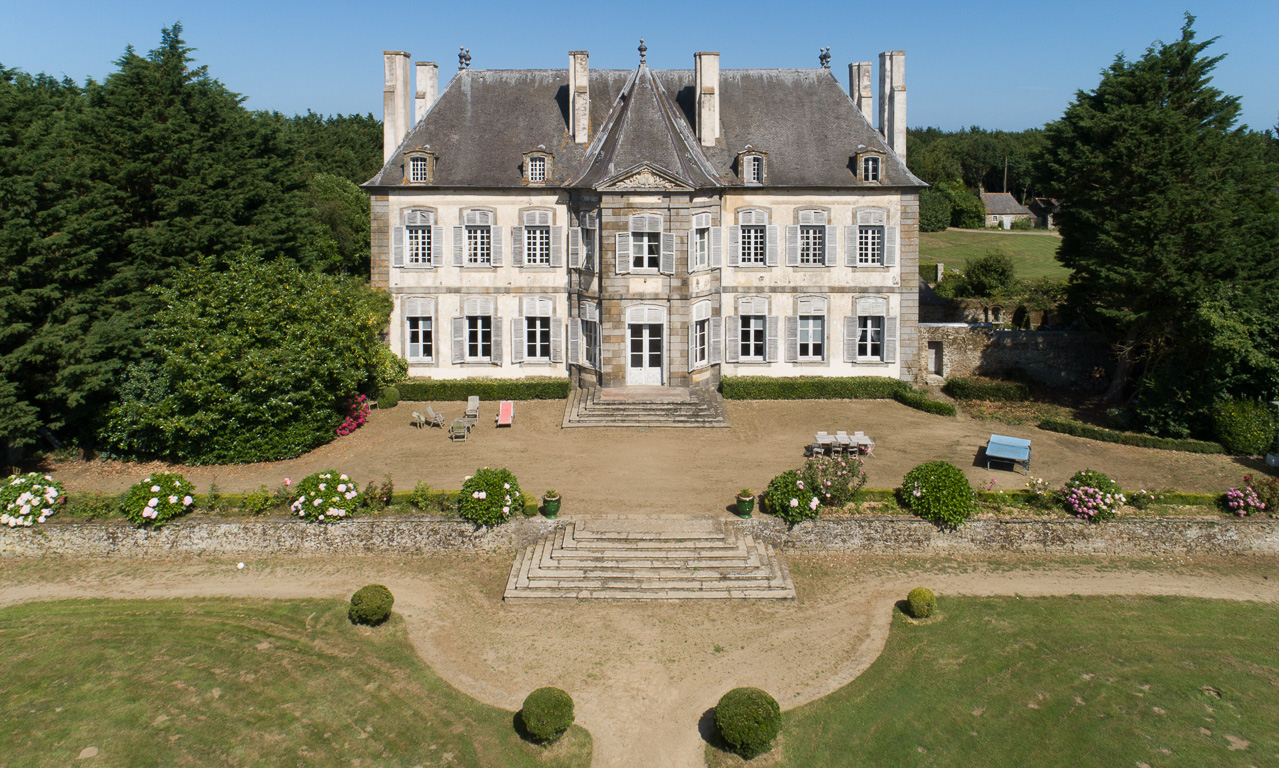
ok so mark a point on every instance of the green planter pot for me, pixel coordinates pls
(745, 506)
(551, 507)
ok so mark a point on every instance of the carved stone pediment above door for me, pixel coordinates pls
(644, 178)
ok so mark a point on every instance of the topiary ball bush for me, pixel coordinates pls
(748, 720)
(547, 713)
(1245, 427)
(921, 602)
(938, 492)
(388, 397)
(371, 605)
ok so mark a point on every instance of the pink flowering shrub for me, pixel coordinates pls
(1251, 498)
(490, 497)
(158, 499)
(29, 498)
(791, 497)
(835, 480)
(324, 497)
(357, 412)
(1091, 495)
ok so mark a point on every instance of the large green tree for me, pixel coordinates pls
(1166, 202)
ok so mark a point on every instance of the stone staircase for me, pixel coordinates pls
(644, 407)
(648, 559)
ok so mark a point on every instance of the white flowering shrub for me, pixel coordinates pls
(325, 497)
(29, 498)
(792, 498)
(158, 499)
(490, 497)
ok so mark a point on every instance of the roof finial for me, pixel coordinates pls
(823, 55)
(643, 49)
(463, 57)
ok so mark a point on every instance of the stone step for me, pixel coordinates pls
(650, 407)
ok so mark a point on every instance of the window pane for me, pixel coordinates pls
(870, 245)
(753, 245)
(812, 241)
(478, 245)
(537, 245)
(419, 245)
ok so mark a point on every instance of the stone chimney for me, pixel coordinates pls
(579, 96)
(397, 102)
(859, 87)
(892, 100)
(428, 84)
(706, 78)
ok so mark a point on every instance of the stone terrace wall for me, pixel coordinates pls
(1055, 358)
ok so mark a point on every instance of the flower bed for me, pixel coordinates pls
(1092, 496)
(29, 498)
(325, 497)
(158, 499)
(490, 497)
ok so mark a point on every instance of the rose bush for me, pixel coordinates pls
(835, 480)
(325, 497)
(158, 499)
(791, 498)
(490, 497)
(29, 498)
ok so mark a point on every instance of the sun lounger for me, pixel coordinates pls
(460, 430)
(505, 413)
(472, 407)
(1011, 449)
(434, 418)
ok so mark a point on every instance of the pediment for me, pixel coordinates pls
(643, 178)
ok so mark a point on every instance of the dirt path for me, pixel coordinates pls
(642, 675)
(681, 470)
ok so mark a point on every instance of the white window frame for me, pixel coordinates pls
(812, 331)
(870, 245)
(424, 325)
(700, 250)
(870, 338)
(478, 337)
(812, 245)
(591, 343)
(752, 336)
(419, 170)
(701, 351)
(646, 242)
(754, 244)
(537, 169)
(870, 168)
(537, 246)
(537, 338)
(588, 248)
(754, 169)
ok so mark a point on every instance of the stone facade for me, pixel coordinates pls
(1056, 358)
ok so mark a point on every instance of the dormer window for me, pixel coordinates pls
(421, 167)
(754, 169)
(537, 166)
(752, 166)
(870, 169)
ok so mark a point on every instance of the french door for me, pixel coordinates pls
(644, 358)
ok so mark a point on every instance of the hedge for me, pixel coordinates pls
(830, 388)
(485, 389)
(1129, 438)
(969, 388)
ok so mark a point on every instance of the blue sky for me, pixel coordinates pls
(1008, 65)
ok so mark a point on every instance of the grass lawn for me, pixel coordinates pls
(1033, 254)
(238, 682)
(1054, 682)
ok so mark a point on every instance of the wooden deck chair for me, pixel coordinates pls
(472, 407)
(419, 420)
(505, 413)
(460, 430)
(434, 418)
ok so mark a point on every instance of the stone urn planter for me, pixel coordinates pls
(551, 505)
(745, 503)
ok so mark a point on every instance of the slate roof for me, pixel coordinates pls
(485, 120)
(1003, 204)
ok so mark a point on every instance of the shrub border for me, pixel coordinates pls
(830, 388)
(448, 390)
(1076, 429)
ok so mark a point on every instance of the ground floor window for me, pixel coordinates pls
(537, 334)
(479, 337)
(701, 341)
(870, 338)
(812, 337)
(591, 340)
(753, 337)
(421, 339)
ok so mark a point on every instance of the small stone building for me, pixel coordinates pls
(645, 227)
(1002, 209)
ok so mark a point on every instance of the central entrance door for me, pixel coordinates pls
(644, 363)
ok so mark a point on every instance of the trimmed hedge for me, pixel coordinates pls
(547, 713)
(921, 602)
(1128, 438)
(485, 389)
(388, 397)
(1244, 427)
(748, 720)
(830, 388)
(970, 388)
(370, 605)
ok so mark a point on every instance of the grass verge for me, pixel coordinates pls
(1033, 255)
(238, 682)
(1060, 681)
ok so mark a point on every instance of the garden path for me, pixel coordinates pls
(643, 675)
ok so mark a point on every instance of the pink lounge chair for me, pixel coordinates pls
(505, 413)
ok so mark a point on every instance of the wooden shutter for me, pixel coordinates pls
(734, 246)
(717, 248)
(575, 341)
(496, 246)
(691, 248)
(557, 340)
(850, 246)
(850, 339)
(497, 341)
(397, 246)
(890, 339)
(890, 246)
(668, 254)
(733, 344)
(717, 340)
(459, 340)
(792, 338)
(575, 248)
(557, 247)
(771, 334)
(517, 246)
(831, 244)
(771, 245)
(459, 246)
(519, 333)
(692, 344)
(437, 247)
(623, 253)
(792, 246)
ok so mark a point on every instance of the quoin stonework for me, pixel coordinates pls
(647, 227)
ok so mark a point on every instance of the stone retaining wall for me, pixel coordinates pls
(890, 535)
(1056, 358)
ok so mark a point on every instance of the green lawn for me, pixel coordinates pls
(1051, 682)
(238, 682)
(1033, 254)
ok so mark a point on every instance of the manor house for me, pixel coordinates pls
(647, 227)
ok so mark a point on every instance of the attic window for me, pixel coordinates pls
(537, 166)
(421, 167)
(754, 169)
(870, 168)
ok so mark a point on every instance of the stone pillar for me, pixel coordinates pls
(428, 84)
(706, 76)
(579, 95)
(397, 101)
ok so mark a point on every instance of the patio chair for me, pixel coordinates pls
(864, 442)
(434, 417)
(505, 413)
(419, 420)
(844, 443)
(472, 407)
(460, 430)
(1014, 450)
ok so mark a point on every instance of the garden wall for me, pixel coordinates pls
(909, 535)
(1056, 358)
